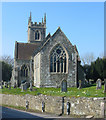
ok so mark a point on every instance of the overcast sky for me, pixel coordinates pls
(82, 23)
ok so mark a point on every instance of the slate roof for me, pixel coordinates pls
(24, 51)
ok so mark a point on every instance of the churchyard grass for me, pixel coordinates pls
(71, 92)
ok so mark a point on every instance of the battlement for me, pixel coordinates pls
(37, 24)
(36, 31)
(30, 23)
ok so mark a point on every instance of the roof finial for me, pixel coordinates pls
(45, 18)
(29, 21)
(42, 20)
(30, 16)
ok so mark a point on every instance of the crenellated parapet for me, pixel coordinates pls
(36, 31)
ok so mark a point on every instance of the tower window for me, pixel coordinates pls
(58, 60)
(37, 35)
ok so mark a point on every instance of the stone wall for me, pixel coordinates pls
(79, 106)
(19, 64)
(54, 79)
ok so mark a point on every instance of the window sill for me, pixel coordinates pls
(58, 73)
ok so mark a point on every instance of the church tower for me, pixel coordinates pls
(36, 31)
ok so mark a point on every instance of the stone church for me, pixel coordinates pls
(46, 61)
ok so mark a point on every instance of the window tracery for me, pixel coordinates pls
(58, 60)
(37, 35)
(24, 71)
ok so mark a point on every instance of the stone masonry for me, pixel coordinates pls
(79, 106)
(32, 60)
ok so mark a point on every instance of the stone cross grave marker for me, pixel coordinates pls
(24, 86)
(99, 84)
(64, 86)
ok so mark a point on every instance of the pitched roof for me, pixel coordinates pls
(24, 51)
(48, 39)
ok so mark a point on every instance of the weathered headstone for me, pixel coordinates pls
(14, 85)
(80, 84)
(2, 82)
(99, 84)
(30, 86)
(64, 86)
(104, 85)
(24, 86)
(5, 85)
(9, 85)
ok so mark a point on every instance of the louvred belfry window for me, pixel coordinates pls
(37, 35)
(58, 60)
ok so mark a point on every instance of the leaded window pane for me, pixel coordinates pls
(51, 64)
(65, 64)
(36, 36)
(54, 64)
(24, 71)
(58, 66)
(58, 60)
(61, 64)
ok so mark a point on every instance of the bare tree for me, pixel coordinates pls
(8, 59)
(87, 58)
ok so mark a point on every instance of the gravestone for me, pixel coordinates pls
(80, 84)
(104, 85)
(99, 84)
(23, 87)
(14, 85)
(5, 85)
(64, 86)
(1, 86)
(9, 85)
(2, 82)
(30, 86)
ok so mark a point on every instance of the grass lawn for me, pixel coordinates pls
(72, 92)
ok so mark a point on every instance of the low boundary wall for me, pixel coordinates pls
(78, 106)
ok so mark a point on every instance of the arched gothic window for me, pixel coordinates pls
(37, 35)
(58, 60)
(24, 71)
